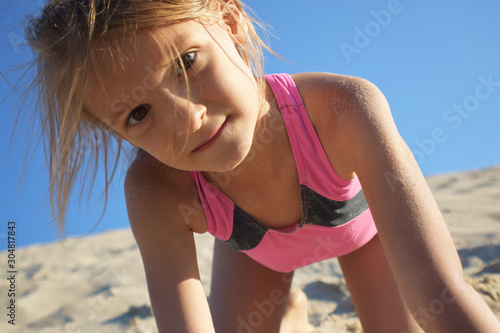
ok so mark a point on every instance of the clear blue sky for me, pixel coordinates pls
(436, 62)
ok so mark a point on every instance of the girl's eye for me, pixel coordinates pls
(138, 114)
(187, 60)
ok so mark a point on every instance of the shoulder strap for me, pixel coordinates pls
(217, 206)
(314, 168)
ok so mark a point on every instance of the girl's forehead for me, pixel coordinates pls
(164, 44)
(176, 34)
(136, 65)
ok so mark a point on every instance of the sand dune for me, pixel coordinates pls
(97, 284)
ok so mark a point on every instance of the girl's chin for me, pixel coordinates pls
(232, 161)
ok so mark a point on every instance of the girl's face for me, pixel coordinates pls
(210, 128)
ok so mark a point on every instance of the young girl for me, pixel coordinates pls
(283, 170)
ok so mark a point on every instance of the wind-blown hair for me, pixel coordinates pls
(72, 40)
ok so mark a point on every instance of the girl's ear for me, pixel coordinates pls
(234, 21)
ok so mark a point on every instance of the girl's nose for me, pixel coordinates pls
(189, 117)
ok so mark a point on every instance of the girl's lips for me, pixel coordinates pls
(210, 141)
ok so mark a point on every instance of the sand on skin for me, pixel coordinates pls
(97, 283)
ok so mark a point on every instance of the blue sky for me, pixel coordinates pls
(436, 62)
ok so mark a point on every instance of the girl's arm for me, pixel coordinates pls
(414, 236)
(167, 247)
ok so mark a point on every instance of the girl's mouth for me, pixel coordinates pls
(212, 139)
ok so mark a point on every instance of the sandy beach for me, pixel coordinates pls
(97, 283)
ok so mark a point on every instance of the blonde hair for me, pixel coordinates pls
(68, 39)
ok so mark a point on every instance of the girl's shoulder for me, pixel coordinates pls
(336, 94)
(155, 189)
(340, 100)
(341, 108)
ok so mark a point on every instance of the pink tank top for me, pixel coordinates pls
(336, 219)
